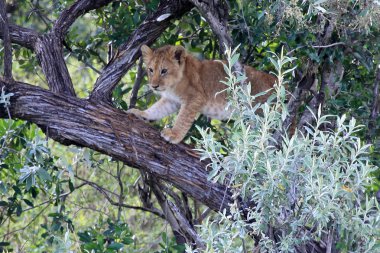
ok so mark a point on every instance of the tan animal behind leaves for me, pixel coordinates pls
(190, 86)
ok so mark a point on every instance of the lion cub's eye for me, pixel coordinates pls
(150, 70)
(164, 71)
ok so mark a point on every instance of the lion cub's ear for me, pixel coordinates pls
(146, 53)
(179, 53)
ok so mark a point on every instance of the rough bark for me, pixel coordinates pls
(22, 36)
(375, 107)
(375, 103)
(49, 51)
(70, 120)
(7, 41)
(183, 230)
(49, 47)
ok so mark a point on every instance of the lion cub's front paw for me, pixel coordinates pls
(169, 135)
(138, 113)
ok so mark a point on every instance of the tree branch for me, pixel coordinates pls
(70, 120)
(137, 85)
(129, 52)
(332, 75)
(216, 14)
(27, 225)
(69, 15)
(296, 98)
(375, 107)
(182, 229)
(49, 51)
(49, 47)
(37, 9)
(330, 79)
(22, 36)
(52, 200)
(7, 41)
(99, 188)
(331, 45)
(120, 203)
(375, 103)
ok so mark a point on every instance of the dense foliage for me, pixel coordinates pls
(55, 198)
(312, 188)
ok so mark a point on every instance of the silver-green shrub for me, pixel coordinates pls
(312, 189)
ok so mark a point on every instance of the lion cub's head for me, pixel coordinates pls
(164, 66)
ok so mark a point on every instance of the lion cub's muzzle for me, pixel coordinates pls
(157, 87)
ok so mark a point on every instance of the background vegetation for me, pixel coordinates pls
(57, 198)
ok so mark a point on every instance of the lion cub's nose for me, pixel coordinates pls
(155, 86)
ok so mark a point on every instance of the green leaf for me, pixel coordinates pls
(164, 237)
(289, 70)
(179, 247)
(56, 225)
(124, 105)
(274, 63)
(71, 186)
(84, 236)
(54, 215)
(320, 2)
(17, 190)
(3, 188)
(29, 182)
(115, 246)
(128, 240)
(44, 175)
(321, 9)
(234, 59)
(92, 246)
(18, 210)
(28, 202)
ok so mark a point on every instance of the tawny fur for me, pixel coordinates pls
(190, 85)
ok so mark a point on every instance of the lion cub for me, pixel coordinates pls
(190, 85)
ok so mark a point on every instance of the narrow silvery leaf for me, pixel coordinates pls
(163, 17)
